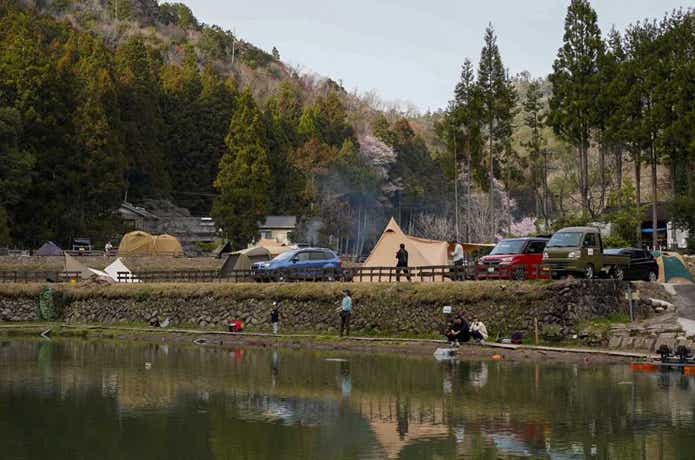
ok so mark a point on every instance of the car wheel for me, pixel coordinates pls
(653, 277)
(618, 273)
(520, 274)
(589, 272)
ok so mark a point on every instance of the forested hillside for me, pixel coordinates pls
(105, 100)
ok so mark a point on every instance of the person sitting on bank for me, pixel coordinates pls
(458, 332)
(452, 332)
(402, 263)
(478, 330)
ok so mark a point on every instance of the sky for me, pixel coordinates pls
(411, 51)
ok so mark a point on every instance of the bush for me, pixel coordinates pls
(552, 333)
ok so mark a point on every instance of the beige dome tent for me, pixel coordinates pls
(143, 244)
(421, 252)
(167, 245)
(136, 244)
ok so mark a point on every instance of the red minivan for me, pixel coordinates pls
(517, 258)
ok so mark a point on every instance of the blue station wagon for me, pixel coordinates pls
(300, 264)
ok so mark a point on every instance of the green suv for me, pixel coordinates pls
(578, 251)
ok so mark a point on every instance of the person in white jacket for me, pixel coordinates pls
(478, 330)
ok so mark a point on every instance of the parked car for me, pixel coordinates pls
(643, 265)
(518, 258)
(300, 264)
(579, 251)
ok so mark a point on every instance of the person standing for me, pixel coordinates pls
(345, 313)
(457, 257)
(402, 263)
(275, 318)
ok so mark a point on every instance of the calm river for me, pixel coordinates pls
(107, 400)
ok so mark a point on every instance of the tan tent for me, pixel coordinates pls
(242, 260)
(136, 244)
(143, 244)
(421, 252)
(73, 266)
(167, 245)
(273, 246)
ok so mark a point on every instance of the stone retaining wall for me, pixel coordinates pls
(413, 309)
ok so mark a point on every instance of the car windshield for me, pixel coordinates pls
(565, 240)
(509, 247)
(284, 256)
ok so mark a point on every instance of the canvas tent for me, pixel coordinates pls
(116, 267)
(49, 248)
(100, 275)
(136, 243)
(73, 266)
(421, 252)
(224, 248)
(273, 247)
(167, 245)
(140, 243)
(242, 260)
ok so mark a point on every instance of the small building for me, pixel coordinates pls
(138, 218)
(278, 228)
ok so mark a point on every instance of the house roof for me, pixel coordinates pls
(279, 222)
(142, 212)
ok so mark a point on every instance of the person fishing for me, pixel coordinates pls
(457, 332)
(402, 263)
(275, 317)
(345, 313)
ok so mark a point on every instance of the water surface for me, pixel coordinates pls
(111, 400)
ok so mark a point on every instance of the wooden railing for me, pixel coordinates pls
(38, 276)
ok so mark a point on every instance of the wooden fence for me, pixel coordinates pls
(38, 276)
(427, 274)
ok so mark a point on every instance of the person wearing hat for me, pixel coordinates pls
(275, 318)
(345, 313)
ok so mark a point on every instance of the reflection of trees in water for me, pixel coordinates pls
(398, 403)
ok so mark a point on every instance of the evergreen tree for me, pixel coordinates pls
(244, 181)
(142, 121)
(498, 99)
(282, 115)
(576, 82)
(536, 146)
(15, 168)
